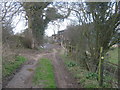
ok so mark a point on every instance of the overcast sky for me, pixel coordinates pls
(49, 31)
(21, 25)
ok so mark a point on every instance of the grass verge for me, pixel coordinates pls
(80, 73)
(113, 55)
(85, 78)
(44, 74)
(10, 66)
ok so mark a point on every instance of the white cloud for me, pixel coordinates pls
(19, 23)
(54, 28)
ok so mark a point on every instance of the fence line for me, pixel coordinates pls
(108, 66)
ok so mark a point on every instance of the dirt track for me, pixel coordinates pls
(63, 77)
(23, 79)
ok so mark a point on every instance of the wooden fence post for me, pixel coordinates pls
(71, 50)
(76, 52)
(100, 69)
(66, 49)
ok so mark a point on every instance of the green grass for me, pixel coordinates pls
(80, 73)
(86, 78)
(10, 66)
(113, 55)
(44, 74)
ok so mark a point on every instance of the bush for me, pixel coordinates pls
(92, 75)
(71, 64)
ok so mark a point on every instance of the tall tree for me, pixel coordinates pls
(38, 18)
(98, 22)
(105, 21)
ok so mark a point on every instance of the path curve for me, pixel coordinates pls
(23, 79)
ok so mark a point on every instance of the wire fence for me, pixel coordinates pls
(110, 70)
